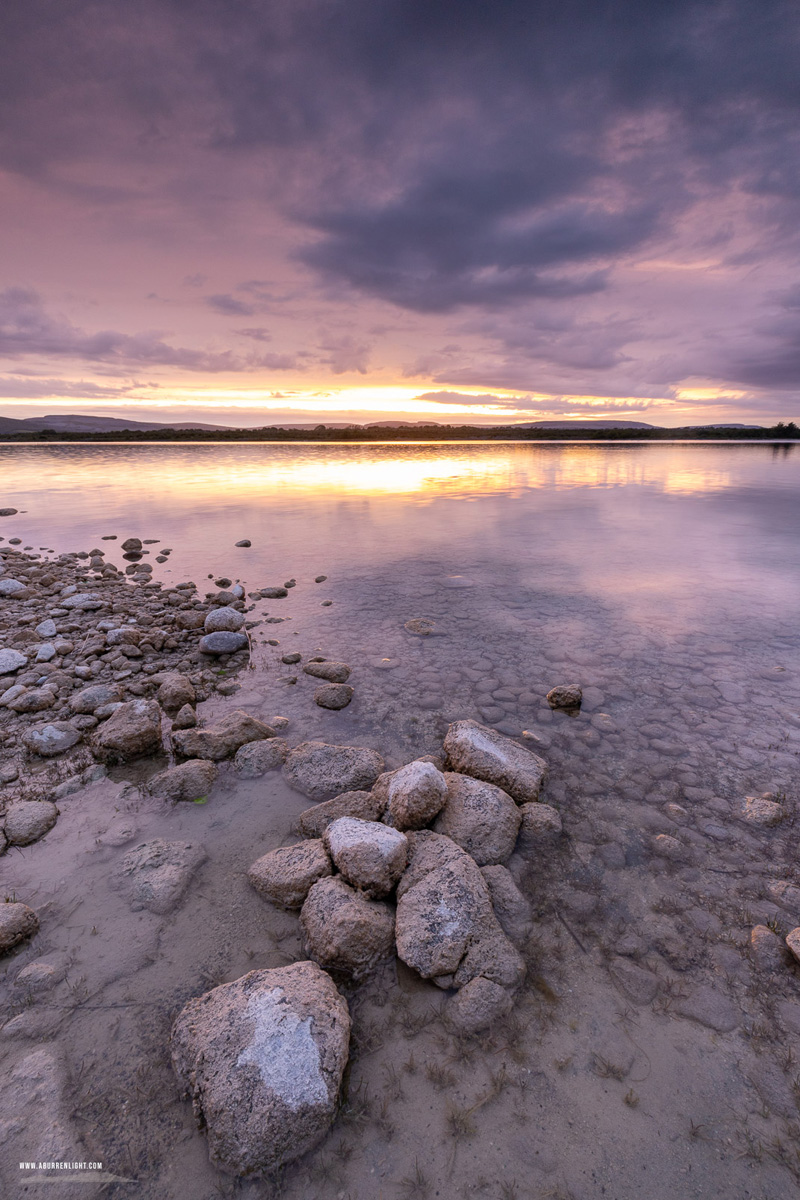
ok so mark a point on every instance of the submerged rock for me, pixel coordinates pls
(480, 818)
(156, 874)
(476, 750)
(254, 759)
(190, 781)
(539, 824)
(286, 875)
(344, 930)
(511, 908)
(28, 820)
(333, 696)
(321, 771)
(17, 922)
(333, 672)
(263, 1059)
(763, 811)
(567, 696)
(223, 739)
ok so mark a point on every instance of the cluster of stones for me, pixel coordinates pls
(335, 692)
(408, 861)
(78, 638)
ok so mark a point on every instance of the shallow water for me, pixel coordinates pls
(665, 579)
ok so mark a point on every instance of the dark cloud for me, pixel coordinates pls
(229, 306)
(257, 333)
(26, 328)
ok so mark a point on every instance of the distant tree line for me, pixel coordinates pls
(420, 433)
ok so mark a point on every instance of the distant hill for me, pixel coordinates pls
(583, 425)
(69, 423)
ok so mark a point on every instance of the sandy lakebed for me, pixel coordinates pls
(649, 1051)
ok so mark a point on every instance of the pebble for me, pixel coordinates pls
(244, 544)
(290, 659)
(320, 578)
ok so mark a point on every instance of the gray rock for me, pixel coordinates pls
(11, 660)
(475, 750)
(132, 731)
(446, 926)
(51, 739)
(8, 512)
(28, 820)
(766, 949)
(344, 930)
(263, 1060)
(639, 985)
(89, 699)
(539, 825)
(17, 922)
(191, 781)
(511, 908)
(11, 587)
(223, 739)
(412, 795)
(254, 759)
(763, 811)
(321, 771)
(174, 691)
(480, 818)
(132, 545)
(566, 696)
(224, 619)
(710, 1007)
(273, 593)
(46, 652)
(365, 805)
(47, 629)
(334, 672)
(478, 1005)
(286, 875)
(156, 874)
(40, 976)
(32, 700)
(370, 856)
(223, 643)
(83, 602)
(11, 694)
(333, 695)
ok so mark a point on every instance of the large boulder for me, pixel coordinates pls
(286, 875)
(413, 794)
(156, 874)
(28, 820)
(254, 759)
(222, 740)
(321, 771)
(370, 856)
(480, 818)
(446, 926)
(51, 739)
(344, 930)
(17, 922)
(315, 820)
(263, 1059)
(132, 731)
(191, 780)
(483, 753)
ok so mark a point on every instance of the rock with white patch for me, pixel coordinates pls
(473, 749)
(446, 927)
(51, 739)
(262, 1059)
(344, 930)
(371, 856)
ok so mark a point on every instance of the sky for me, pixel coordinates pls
(250, 212)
